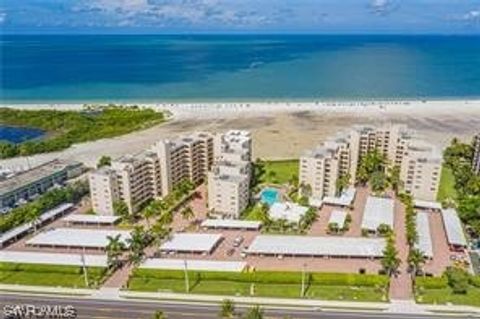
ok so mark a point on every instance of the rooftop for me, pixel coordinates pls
(25, 257)
(19, 230)
(378, 211)
(192, 264)
(424, 237)
(346, 198)
(72, 237)
(290, 211)
(453, 227)
(192, 242)
(91, 219)
(317, 246)
(422, 204)
(30, 176)
(231, 224)
(338, 217)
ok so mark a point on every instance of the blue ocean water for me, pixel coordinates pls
(15, 134)
(45, 68)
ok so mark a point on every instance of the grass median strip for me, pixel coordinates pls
(439, 291)
(50, 275)
(328, 286)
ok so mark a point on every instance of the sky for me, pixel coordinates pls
(241, 16)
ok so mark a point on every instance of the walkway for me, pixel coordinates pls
(401, 283)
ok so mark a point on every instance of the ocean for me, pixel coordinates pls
(154, 68)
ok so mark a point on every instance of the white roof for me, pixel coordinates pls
(346, 198)
(378, 211)
(91, 219)
(453, 227)
(338, 217)
(25, 257)
(231, 223)
(192, 264)
(192, 242)
(290, 211)
(72, 237)
(317, 246)
(424, 243)
(12, 233)
(427, 204)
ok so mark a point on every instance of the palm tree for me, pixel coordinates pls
(33, 215)
(187, 213)
(390, 260)
(378, 181)
(166, 217)
(227, 309)
(416, 259)
(121, 209)
(136, 244)
(342, 183)
(114, 250)
(254, 313)
(159, 231)
(394, 177)
(149, 212)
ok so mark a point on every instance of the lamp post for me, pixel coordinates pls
(302, 292)
(85, 274)
(187, 285)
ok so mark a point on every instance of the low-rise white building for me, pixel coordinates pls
(288, 211)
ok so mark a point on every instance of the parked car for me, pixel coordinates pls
(238, 241)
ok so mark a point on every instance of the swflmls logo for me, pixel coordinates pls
(26, 311)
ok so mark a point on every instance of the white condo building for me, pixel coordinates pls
(420, 163)
(153, 174)
(229, 179)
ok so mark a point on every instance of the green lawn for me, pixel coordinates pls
(265, 284)
(49, 275)
(229, 288)
(447, 185)
(279, 172)
(445, 295)
(253, 213)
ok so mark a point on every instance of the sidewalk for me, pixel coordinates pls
(311, 303)
(113, 294)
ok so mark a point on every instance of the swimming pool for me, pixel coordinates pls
(269, 196)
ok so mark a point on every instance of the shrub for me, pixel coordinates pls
(475, 281)
(458, 279)
(431, 282)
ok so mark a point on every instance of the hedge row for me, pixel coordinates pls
(475, 281)
(431, 282)
(329, 279)
(40, 268)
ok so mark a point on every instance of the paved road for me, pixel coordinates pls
(91, 309)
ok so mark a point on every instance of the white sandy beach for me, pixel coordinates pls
(280, 129)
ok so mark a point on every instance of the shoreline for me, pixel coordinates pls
(280, 129)
(220, 108)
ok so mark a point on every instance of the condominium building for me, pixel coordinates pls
(229, 180)
(186, 158)
(132, 179)
(476, 157)
(321, 167)
(420, 170)
(152, 174)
